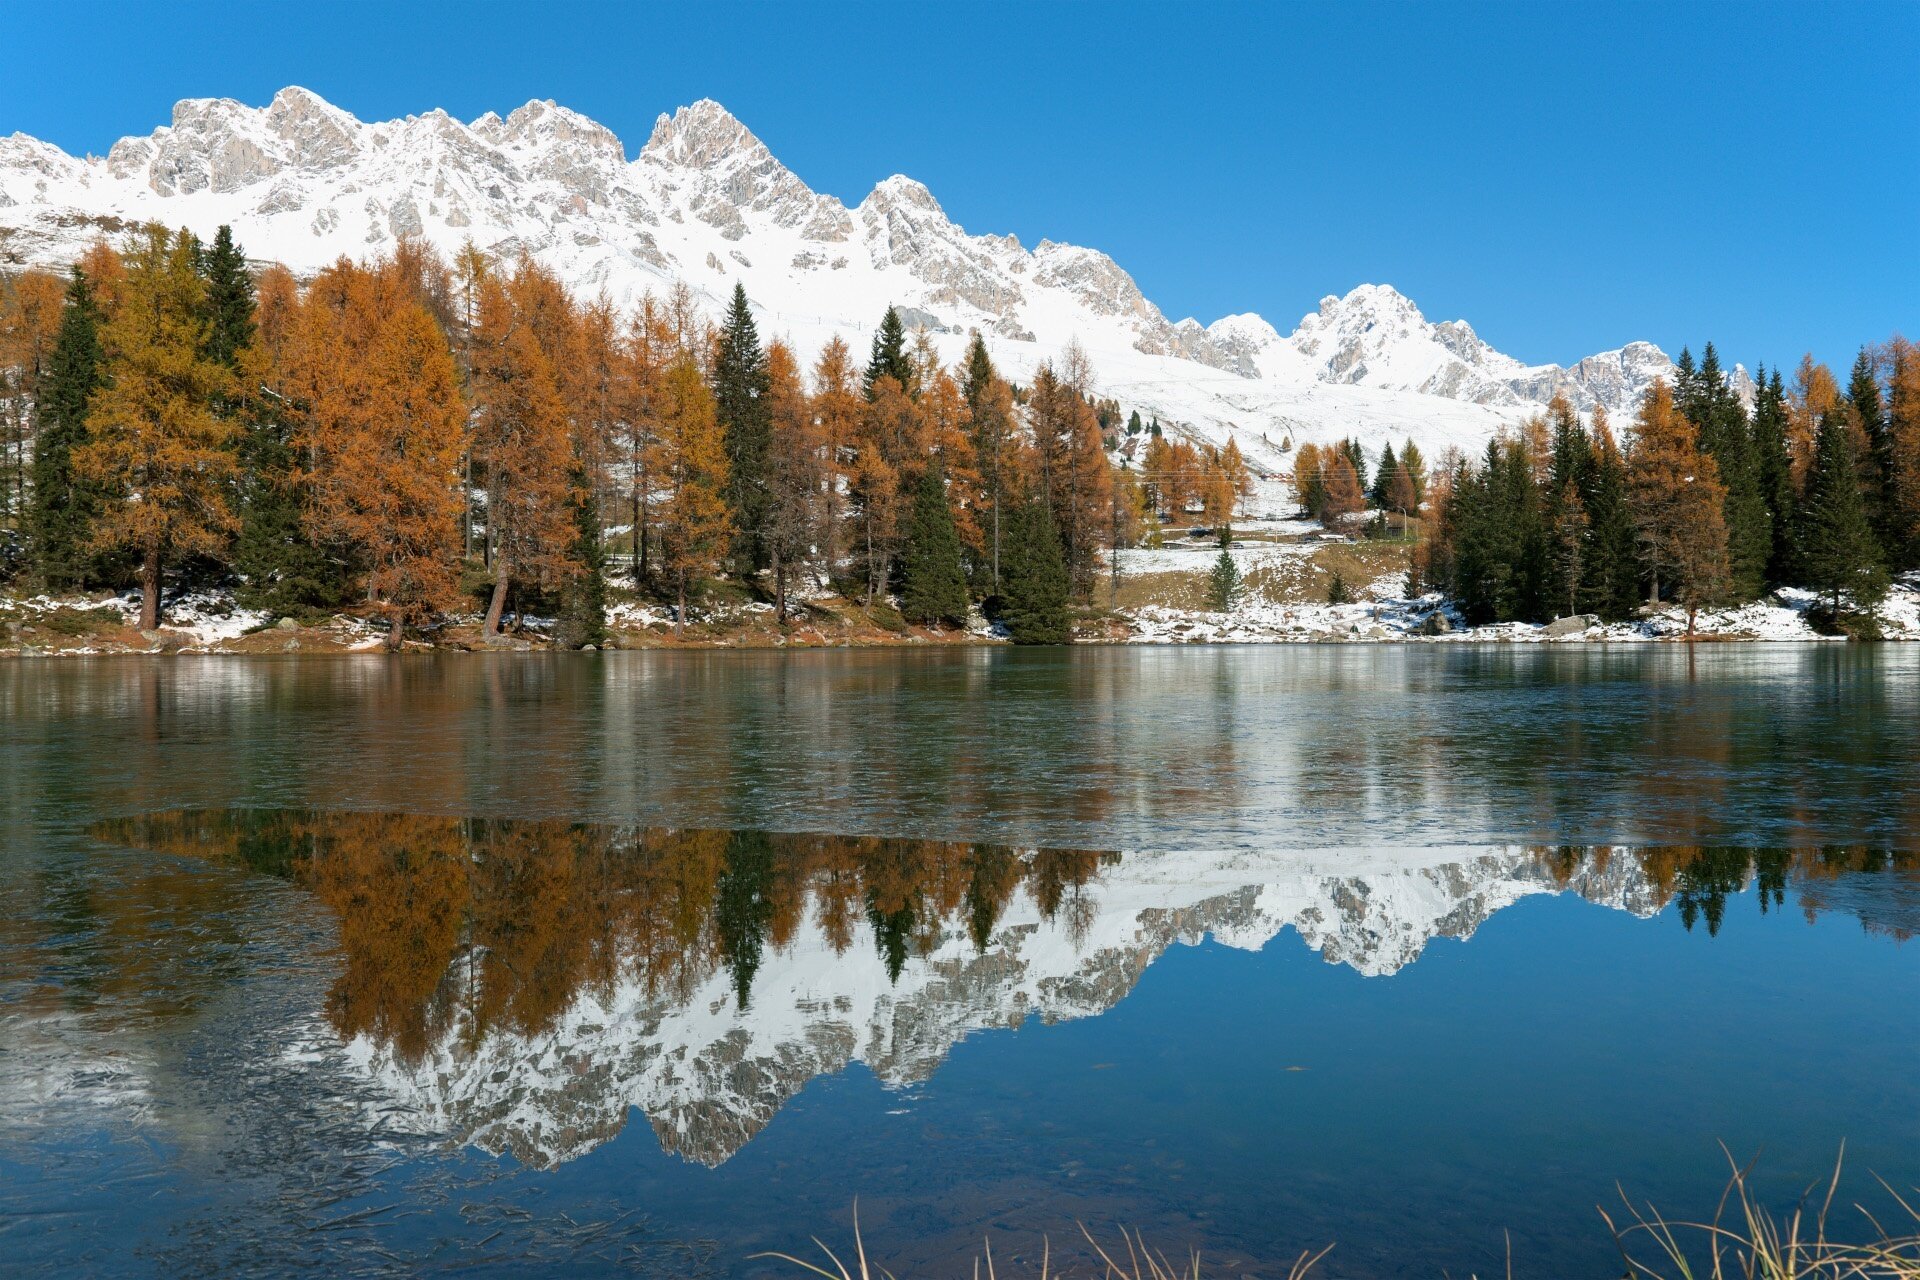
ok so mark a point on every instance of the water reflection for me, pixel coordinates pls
(1333, 746)
(522, 985)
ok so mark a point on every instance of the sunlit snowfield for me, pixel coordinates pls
(650, 961)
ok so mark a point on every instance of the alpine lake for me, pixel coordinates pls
(630, 963)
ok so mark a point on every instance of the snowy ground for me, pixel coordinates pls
(1386, 614)
(211, 621)
(203, 621)
(1198, 556)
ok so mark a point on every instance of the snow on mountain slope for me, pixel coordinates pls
(708, 1074)
(705, 201)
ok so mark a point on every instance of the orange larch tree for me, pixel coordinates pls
(157, 450)
(383, 427)
(31, 304)
(648, 351)
(1903, 439)
(1814, 394)
(695, 531)
(795, 470)
(837, 406)
(1676, 498)
(522, 438)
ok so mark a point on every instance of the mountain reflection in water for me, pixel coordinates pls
(521, 985)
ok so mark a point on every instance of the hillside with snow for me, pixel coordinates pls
(704, 201)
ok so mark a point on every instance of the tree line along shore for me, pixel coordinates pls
(417, 443)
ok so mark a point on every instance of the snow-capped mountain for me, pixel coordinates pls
(705, 201)
(708, 1075)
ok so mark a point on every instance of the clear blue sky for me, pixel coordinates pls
(1565, 176)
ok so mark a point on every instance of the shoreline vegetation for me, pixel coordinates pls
(212, 623)
(199, 452)
(1745, 1238)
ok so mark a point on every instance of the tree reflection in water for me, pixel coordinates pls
(524, 984)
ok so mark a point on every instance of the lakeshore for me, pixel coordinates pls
(1160, 601)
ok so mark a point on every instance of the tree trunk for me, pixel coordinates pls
(641, 533)
(1653, 590)
(396, 632)
(996, 514)
(779, 588)
(490, 629)
(150, 591)
(680, 604)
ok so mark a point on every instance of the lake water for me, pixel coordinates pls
(594, 964)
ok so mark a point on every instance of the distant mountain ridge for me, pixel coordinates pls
(304, 182)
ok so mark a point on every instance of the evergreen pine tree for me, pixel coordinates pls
(1500, 547)
(1338, 592)
(746, 421)
(1224, 587)
(933, 584)
(889, 359)
(1570, 530)
(995, 454)
(1874, 460)
(1686, 386)
(61, 513)
(229, 299)
(1478, 562)
(583, 604)
(1133, 423)
(1518, 500)
(1727, 436)
(1382, 491)
(1570, 465)
(282, 569)
(1773, 469)
(1358, 457)
(1839, 554)
(977, 377)
(1033, 574)
(1612, 576)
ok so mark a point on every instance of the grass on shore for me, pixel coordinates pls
(1743, 1240)
(1292, 580)
(1142, 1261)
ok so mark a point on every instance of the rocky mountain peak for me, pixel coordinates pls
(727, 172)
(544, 122)
(700, 135)
(707, 203)
(902, 192)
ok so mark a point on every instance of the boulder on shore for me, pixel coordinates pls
(1572, 625)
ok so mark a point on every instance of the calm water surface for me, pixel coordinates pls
(605, 963)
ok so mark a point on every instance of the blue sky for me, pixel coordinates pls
(1565, 176)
